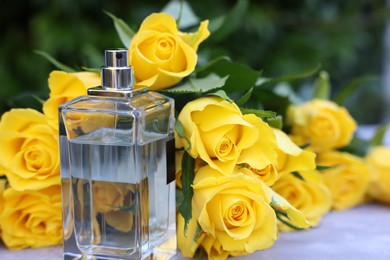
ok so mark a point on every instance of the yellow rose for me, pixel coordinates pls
(217, 132)
(3, 183)
(160, 54)
(187, 242)
(268, 174)
(309, 195)
(66, 86)
(347, 179)
(378, 161)
(321, 123)
(2, 171)
(113, 200)
(108, 196)
(291, 157)
(214, 249)
(32, 218)
(235, 210)
(29, 150)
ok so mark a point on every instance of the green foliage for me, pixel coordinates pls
(241, 77)
(352, 87)
(124, 31)
(292, 76)
(222, 94)
(182, 12)
(259, 113)
(357, 146)
(185, 209)
(179, 128)
(199, 85)
(322, 86)
(265, 36)
(55, 62)
(298, 175)
(377, 138)
(275, 122)
(222, 26)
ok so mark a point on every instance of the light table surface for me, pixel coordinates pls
(357, 234)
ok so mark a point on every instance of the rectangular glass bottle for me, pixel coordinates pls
(117, 155)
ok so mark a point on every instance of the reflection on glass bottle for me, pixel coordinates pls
(118, 190)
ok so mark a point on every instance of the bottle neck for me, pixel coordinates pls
(115, 93)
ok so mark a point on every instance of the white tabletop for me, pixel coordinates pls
(359, 233)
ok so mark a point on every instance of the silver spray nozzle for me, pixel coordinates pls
(116, 73)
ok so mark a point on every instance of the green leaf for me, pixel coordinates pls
(283, 89)
(182, 12)
(259, 113)
(197, 232)
(357, 147)
(209, 65)
(185, 209)
(245, 97)
(222, 26)
(216, 23)
(323, 168)
(124, 31)
(281, 216)
(53, 61)
(322, 86)
(266, 98)
(379, 134)
(351, 87)
(222, 94)
(199, 85)
(275, 122)
(241, 77)
(179, 197)
(179, 128)
(37, 98)
(304, 146)
(298, 175)
(96, 70)
(293, 76)
(293, 216)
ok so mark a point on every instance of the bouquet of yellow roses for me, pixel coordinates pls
(242, 176)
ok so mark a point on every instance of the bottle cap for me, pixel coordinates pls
(116, 73)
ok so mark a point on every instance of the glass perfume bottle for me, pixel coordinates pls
(117, 169)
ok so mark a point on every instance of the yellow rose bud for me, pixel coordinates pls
(321, 123)
(308, 194)
(347, 179)
(32, 218)
(66, 86)
(162, 55)
(29, 150)
(378, 161)
(234, 209)
(217, 132)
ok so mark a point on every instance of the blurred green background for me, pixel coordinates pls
(277, 37)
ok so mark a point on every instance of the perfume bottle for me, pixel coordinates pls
(117, 169)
